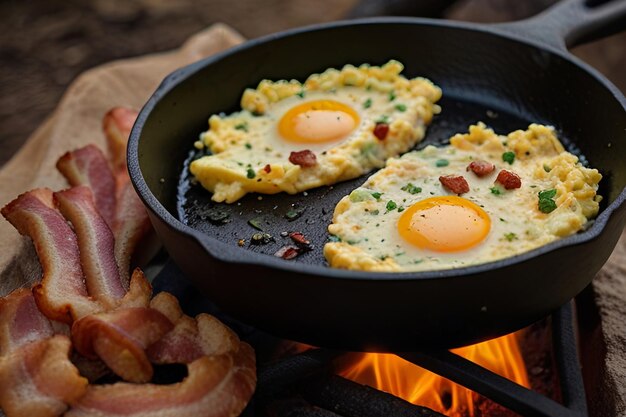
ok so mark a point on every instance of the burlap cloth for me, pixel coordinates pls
(77, 121)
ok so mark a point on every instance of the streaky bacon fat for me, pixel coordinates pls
(96, 244)
(89, 166)
(130, 226)
(38, 380)
(216, 386)
(119, 338)
(190, 338)
(21, 322)
(117, 124)
(62, 294)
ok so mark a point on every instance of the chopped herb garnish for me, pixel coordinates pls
(382, 119)
(359, 194)
(400, 107)
(242, 126)
(367, 103)
(411, 189)
(377, 195)
(547, 193)
(546, 201)
(400, 209)
(391, 205)
(510, 236)
(508, 157)
(294, 213)
(546, 168)
(442, 163)
(392, 95)
(300, 93)
(256, 223)
(374, 212)
(495, 190)
(216, 215)
(250, 173)
(248, 146)
(261, 239)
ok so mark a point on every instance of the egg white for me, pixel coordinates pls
(367, 231)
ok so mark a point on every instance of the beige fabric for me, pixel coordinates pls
(77, 121)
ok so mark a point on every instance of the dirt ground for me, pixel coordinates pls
(45, 44)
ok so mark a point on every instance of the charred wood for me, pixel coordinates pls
(351, 399)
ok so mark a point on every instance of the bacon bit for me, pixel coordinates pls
(120, 338)
(481, 168)
(381, 130)
(62, 294)
(218, 385)
(88, 166)
(305, 158)
(96, 244)
(455, 183)
(267, 168)
(302, 242)
(299, 238)
(43, 371)
(509, 180)
(288, 252)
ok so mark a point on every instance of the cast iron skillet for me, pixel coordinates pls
(506, 75)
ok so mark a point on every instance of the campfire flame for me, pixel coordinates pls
(390, 373)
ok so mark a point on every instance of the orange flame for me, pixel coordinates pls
(393, 374)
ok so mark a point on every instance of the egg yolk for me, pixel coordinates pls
(444, 224)
(318, 121)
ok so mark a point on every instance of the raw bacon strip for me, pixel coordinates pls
(38, 380)
(88, 166)
(120, 338)
(216, 386)
(21, 322)
(130, 226)
(96, 244)
(190, 339)
(62, 295)
(117, 124)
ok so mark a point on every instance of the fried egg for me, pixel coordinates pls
(291, 137)
(482, 198)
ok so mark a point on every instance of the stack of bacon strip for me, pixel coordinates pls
(90, 314)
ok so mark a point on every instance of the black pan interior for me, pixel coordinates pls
(505, 83)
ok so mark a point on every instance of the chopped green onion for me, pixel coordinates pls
(508, 157)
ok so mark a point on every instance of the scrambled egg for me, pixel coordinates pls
(336, 126)
(482, 198)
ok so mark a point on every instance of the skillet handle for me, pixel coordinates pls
(571, 22)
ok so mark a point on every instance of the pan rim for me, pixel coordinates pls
(223, 252)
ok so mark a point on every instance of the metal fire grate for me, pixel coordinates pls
(301, 385)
